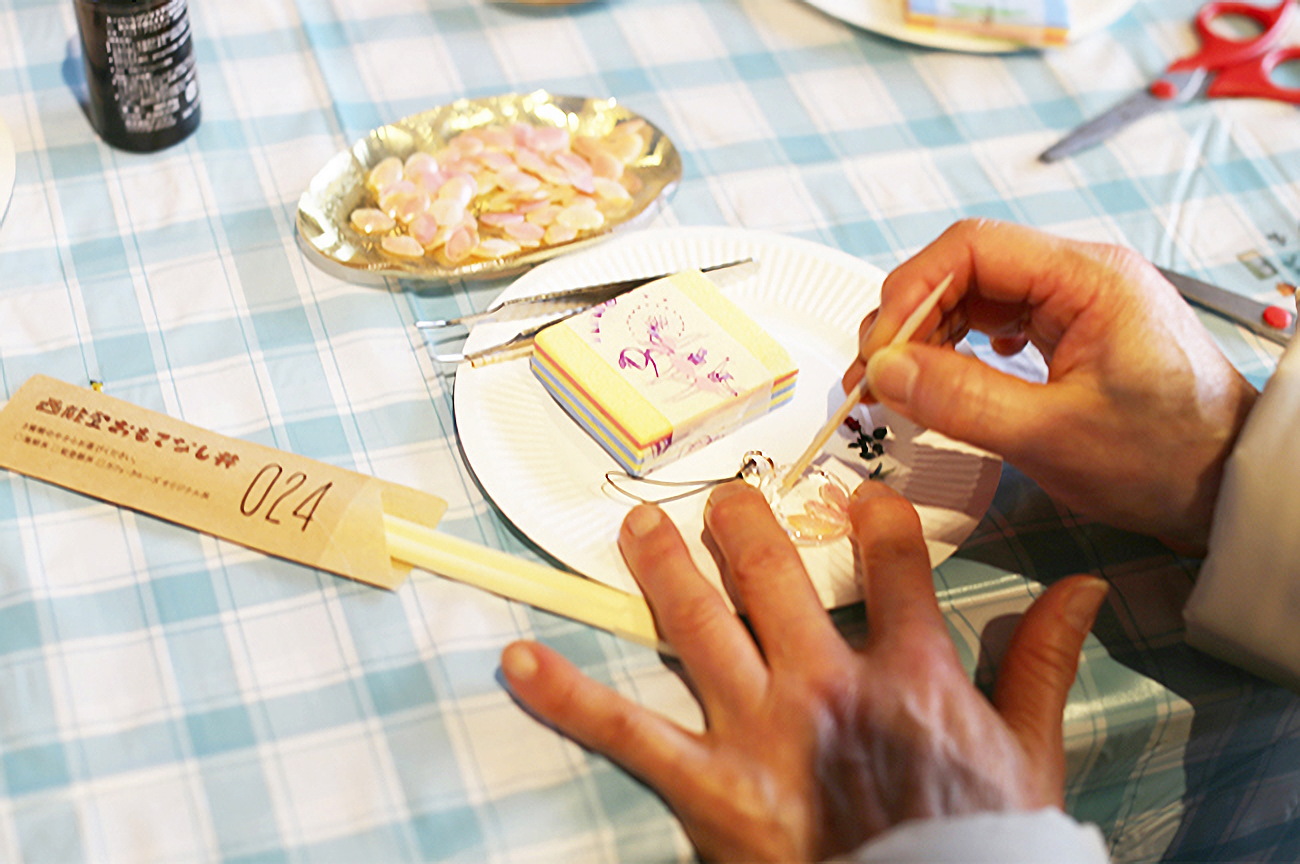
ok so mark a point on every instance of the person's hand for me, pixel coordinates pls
(811, 748)
(1140, 409)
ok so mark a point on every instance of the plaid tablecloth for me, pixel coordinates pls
(165, 696)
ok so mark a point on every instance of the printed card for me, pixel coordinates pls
(266, 499)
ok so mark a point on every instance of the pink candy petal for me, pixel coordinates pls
(460, 188)
(495, 247)
(519, 182)
(500, 219)
(525, 232)
(385, 174)
(550, 139)
(528, 160)
(611, 190)
(420, 162)
(497, 160)
(558, 233)
(466, 144)
(402, 246)
(423, 229)
(447, 211)
(606, 165)
(572, 163)
(460, 244)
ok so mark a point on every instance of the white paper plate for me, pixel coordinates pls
(547, 476)
(886, 17)
(8, 167)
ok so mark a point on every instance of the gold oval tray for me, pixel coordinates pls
(332, 243)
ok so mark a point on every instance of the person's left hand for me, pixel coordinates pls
(812, 748)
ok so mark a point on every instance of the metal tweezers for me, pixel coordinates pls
(565, 304)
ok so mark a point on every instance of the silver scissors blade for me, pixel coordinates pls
(1184, 87)
(517, 345)
(558, 301)
(521, 343)
(1244, 311)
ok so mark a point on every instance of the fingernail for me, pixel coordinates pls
(722, 493)
(518, 662)
(864, 336)
(1084, 602)
(642, 519)
(891, 372)
(869, 489)
(863, 341)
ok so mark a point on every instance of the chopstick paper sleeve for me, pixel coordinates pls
(270, 500)
(277, 502)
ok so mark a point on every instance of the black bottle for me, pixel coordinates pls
(140, 75)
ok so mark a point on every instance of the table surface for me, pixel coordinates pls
(168, 696)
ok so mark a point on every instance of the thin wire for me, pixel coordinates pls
(614, 477)
(750, 464)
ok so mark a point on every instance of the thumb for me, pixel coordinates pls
(957, 395)
(1035, 676)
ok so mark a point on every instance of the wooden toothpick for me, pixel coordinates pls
(855, 395)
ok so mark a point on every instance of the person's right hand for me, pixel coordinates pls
(1140, 409)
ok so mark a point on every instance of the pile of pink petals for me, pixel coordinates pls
(495, 191)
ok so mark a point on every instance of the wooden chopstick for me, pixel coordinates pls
(618, 612)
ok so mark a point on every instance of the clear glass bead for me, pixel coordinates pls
(814, 509)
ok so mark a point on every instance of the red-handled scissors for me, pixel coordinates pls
(1233, 67)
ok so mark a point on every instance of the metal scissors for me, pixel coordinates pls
(1233, 67)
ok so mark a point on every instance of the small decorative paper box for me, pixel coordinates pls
(663, 370)
(1031, 22)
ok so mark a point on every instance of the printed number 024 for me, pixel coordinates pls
(267, 479)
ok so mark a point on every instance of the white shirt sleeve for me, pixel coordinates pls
(988, 838)
(1246, 602)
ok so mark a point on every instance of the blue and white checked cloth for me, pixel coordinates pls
(168, 697)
